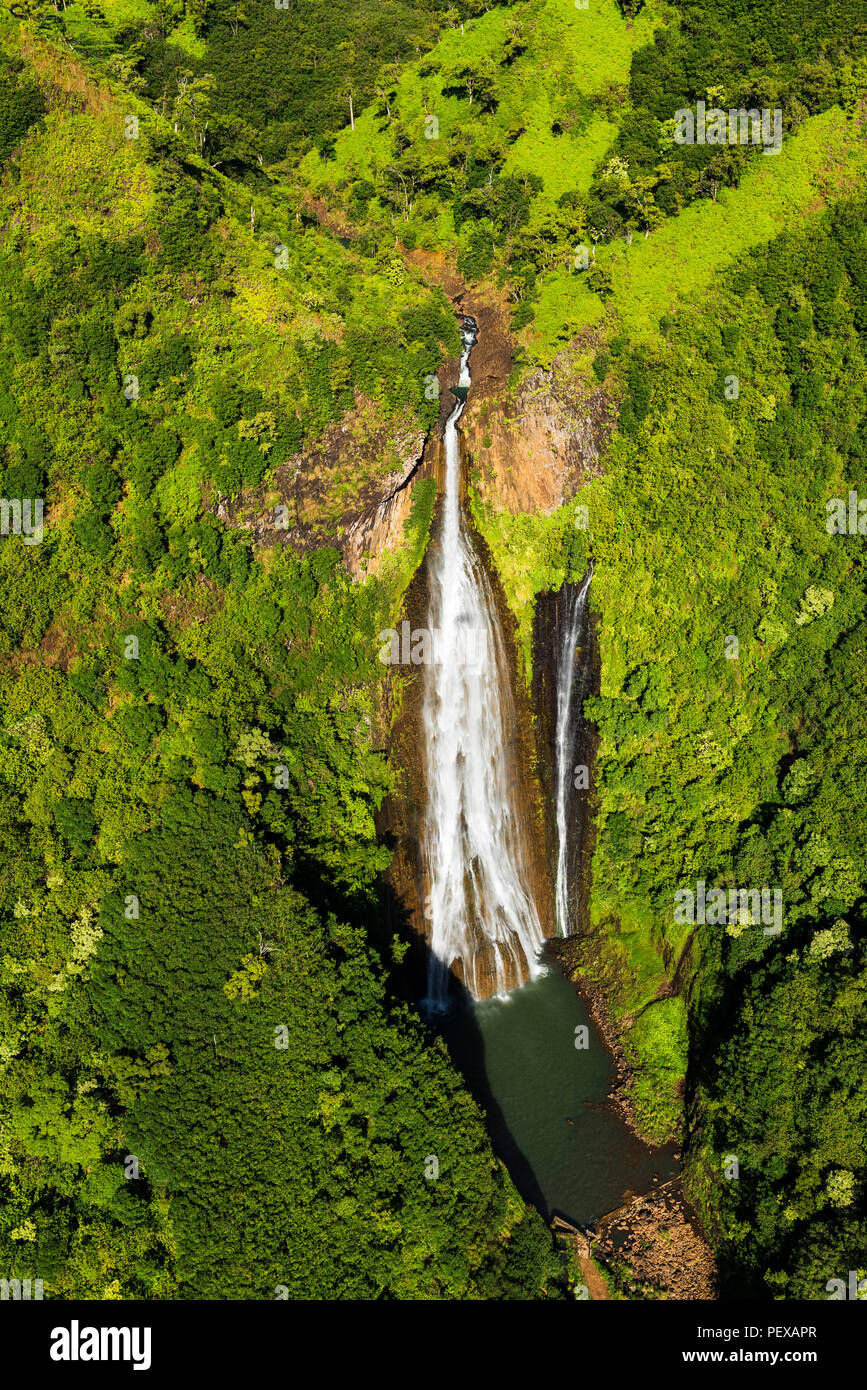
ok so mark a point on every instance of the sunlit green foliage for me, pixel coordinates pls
(189, 775)
(744, 771)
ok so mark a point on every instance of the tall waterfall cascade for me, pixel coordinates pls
(482, 923)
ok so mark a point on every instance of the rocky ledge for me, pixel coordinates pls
(654, 1247)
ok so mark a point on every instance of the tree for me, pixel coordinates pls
(479, 80)
(347, 64)
(387, 85)
(192, 106)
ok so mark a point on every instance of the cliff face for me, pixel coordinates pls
(401, 820)
(535, 446)
(530, 447)
(353, 489)
(379, 529)
(359, 468)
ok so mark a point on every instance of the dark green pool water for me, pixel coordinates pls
(519, 1058)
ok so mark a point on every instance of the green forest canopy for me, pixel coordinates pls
(188, 777)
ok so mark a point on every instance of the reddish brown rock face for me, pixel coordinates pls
(534, 448)
(484, 969)
(547, 435)
(534, 445)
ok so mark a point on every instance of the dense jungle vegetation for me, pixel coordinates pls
(212, 1087)
(746, 771)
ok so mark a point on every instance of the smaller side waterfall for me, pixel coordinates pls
(571, 689)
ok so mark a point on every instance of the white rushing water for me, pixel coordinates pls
(569, 687)
(480, 909)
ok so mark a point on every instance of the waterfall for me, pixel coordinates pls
(570, 694)
(482, 922)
